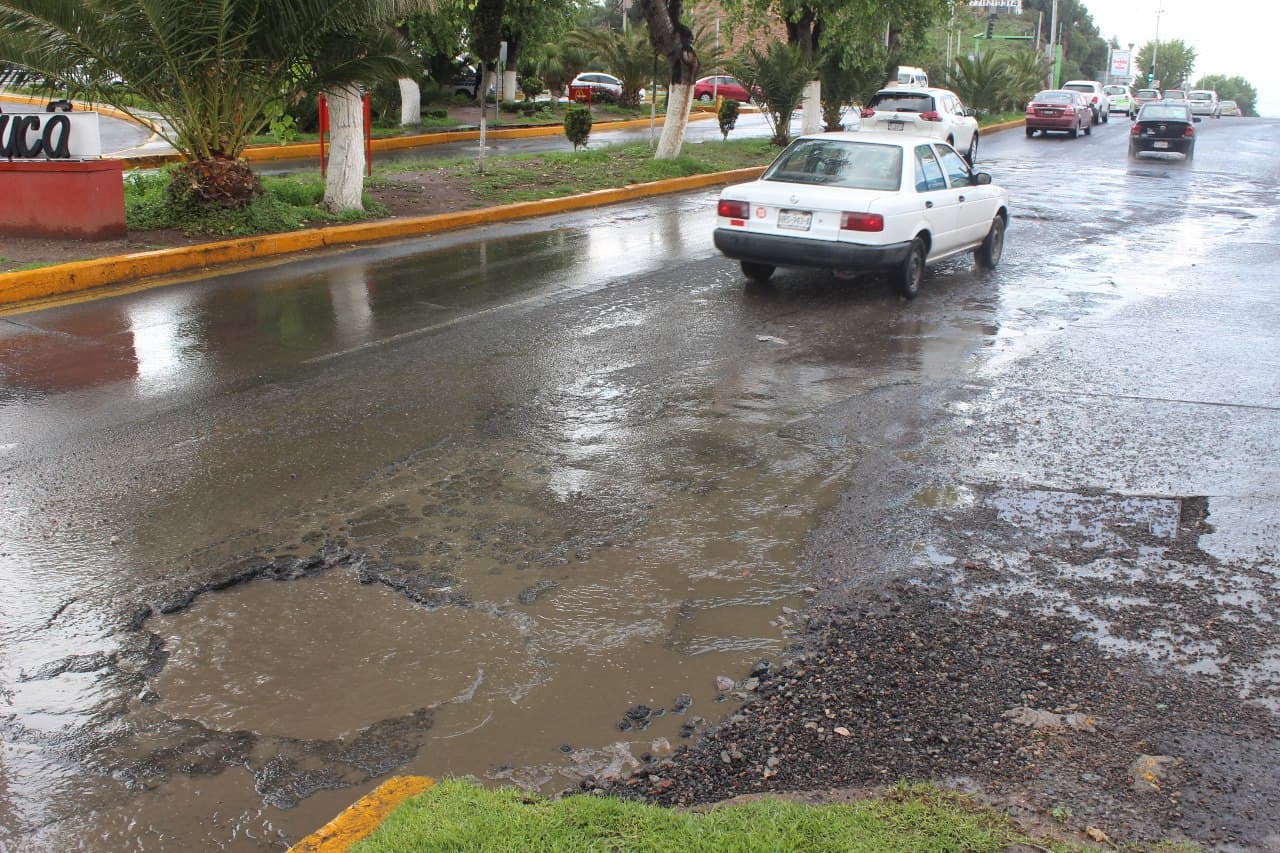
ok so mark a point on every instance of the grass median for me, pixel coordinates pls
(460, 815)
(293, 202)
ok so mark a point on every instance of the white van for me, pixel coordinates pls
(909, 75)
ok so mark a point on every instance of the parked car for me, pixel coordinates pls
(1230, 108)
(599, 83)
(1094, 94)
(936, 113)
(1145, 96)
(1063, 110)
(1164, 127)
(1204, 102)
(722, 86)
(861, 202)
(1121, 98)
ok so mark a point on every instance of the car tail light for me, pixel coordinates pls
(733, 209)
(1190, 131)
(861, 222)
(1095, 99)
(867, 112)
(1135, 130)
(932, 115)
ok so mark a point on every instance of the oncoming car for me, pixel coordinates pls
(863, 201)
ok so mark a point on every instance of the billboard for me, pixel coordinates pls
(1014, 6)
(1120, 64)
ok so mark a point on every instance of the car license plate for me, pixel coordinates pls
(794, 220)
(1161, 144)
(897, 125)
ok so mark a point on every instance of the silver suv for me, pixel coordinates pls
(921, 111)
(1095, 95)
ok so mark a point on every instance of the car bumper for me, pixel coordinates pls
(1180, 145)
(799, 252)
(1051, 122)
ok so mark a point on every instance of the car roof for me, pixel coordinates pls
(914, 90)
(875, 137)
(1079, 82)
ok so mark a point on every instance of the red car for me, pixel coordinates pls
(1061, 110)
(708, 88)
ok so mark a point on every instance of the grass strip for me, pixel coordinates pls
(457, 814)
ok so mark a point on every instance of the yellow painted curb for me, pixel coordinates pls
(305, 150)
(364, 816)
(1004, 125)
(49, 281)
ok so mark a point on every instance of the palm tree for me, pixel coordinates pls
(207, 67)
(1024, 72)
(627, 56)
(978, 81)
(779, 77)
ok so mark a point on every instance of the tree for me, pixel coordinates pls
(1175, 60)
(1235, 89)
(779, 76)
(628, 56)
(529, 22)
(672, 39)
(1084, 50)
(209, 68)
(979, 82)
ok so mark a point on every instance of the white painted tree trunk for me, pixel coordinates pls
(679, 102)
(344, 180)
(410, 102)
(811, 108)
(509, 90)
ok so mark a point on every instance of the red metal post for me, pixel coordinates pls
(368, 137)
(324, 129)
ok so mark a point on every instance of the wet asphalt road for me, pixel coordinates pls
(580, 467)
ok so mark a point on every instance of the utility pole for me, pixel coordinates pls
(1155, 50)
(1053, 46)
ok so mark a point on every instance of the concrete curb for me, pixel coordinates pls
(363, 817)
(1004, 125)
(45, 282)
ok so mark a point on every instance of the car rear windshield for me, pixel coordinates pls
(855, 165)
(1201, 96)
(1079, 87)
(1148, 93)
(901, 102)
(1114, 90)
(1053, 98)
(1161, 112)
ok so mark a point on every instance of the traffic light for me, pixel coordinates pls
(1151, 78)
(991, 25)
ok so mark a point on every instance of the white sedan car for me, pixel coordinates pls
(863, 202)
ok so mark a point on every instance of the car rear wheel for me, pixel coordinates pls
(1075, 131)
(1106, 116)
(757, 272)
(1031, 131)
(705, 97)
(972, 154)
(1088, 130)
(989, 253)
(906, 278)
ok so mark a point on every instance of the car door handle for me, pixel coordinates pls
(962, 198)
(928, 204)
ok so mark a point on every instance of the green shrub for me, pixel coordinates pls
(577, 126)
(531, 86)
(437, 113)
(727, 116)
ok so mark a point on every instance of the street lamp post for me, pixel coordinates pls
(1155, 49)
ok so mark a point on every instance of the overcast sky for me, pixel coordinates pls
(1230, 38)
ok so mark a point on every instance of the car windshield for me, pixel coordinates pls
(1148, 93)
(839, 163)
(1053, 98)
(901, 102)
(1163, 112)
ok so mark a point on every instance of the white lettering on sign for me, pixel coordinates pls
(49, 136)
(1014, 6)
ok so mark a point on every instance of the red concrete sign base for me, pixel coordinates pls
(76, 200)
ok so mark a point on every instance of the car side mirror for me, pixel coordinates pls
(981, 179)
(1196, 119)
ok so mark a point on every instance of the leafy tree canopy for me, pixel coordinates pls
(1235, 89)
(1175, 60)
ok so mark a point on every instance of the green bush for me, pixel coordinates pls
(577, 126)
(436, 113)
(531, 86)
(727, 116)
